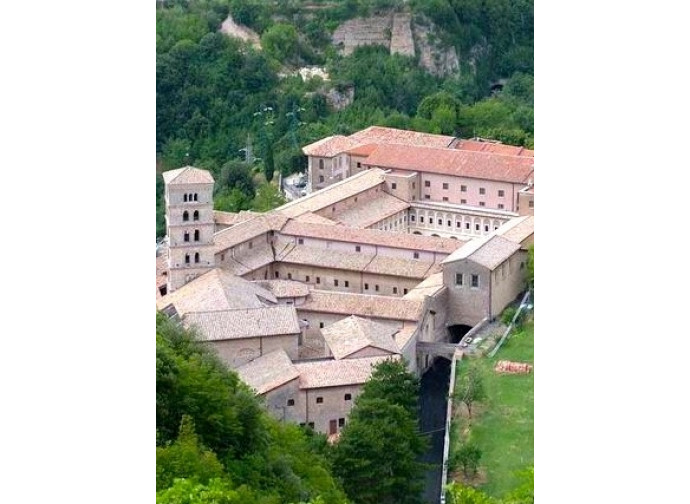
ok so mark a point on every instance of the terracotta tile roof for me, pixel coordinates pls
(333, 194)
(372, 237)
(247, 230)
(244, 323)
(383, 135)
(494, 147)
(284, 288)
(248, 260)
(489, 251)
(187, 175)
(372, 211)
(517, 230)
(363, 150)
(268, 372)
(430, 286)
(216, 290)
(363, 305)
(230, 219)
(300, 254)
(402, 337)
(315, 218)
(398, 266)
(329, 146)
(336, 373)
(353, 334)
(460, 163)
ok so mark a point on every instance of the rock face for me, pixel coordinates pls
(229, 27)
(339, 100)
(397, 33)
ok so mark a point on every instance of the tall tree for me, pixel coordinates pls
(391, 381)
(376, 457)
(470, 387)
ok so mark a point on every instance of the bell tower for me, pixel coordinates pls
(189, 224)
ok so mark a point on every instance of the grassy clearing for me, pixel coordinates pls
(503, 425)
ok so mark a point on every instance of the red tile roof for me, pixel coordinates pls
(383, 135)
(493, 147)
(459, 163)
(329, 146)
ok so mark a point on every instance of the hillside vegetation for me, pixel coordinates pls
(220, 100)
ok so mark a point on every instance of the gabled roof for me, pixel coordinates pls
(384, 135)
(494, 147)
(460, 163)
(285, 288)
(247, 230)
(517, 230)
(268, 372)
(217, 290)
(489, 251)
(230, 218)
(337, 373)
(187, 175)
(364, 305)
(244, 323)
(352, 334)
(329, 146)
(372, 211)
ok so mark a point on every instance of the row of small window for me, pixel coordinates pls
(474, 280)
(187, 258)
(319, 400)
(185, 215)
(458, 224)
(463, 188)
(191, 197)
(341, 423)
(196, 235)
(336, 282)
(501, 206)
(358, 248)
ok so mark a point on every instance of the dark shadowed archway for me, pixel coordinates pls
(457, 332)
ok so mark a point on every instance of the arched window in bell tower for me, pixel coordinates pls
(196, 214)
(185, 216)
(186, 258)
(196, 235)
(196, 197)
(186, 236)
(185, 197)
(196, 257)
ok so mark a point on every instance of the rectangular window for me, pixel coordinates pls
(427, 183)
(395, 290)
(475, 280)
(440, 222)
(289, 276)
(458, 279)
(414, 185)
(222, 257)
(319, 400)
(467, 225)
(366, 286)
(450, 223)
(501, 193)
(445, 185)
(463, 188)
(404, 291)
(486, 228)
(277, 274)
(463, 201)
(251, 245)
(348, 397)
(415, 255)
(341, 422)
(320, 178)
(306, 278)
(291, 402)
(394, 185)
(359, 165)
(412, 218)
(358, 248)
(421, 219)
(482, 190)
(300, 241)
(320, 325)
(318, 280)
(347, 283)
(476, 227)
(376, 288)
(335, 282)
(445, 198)
(426, 196)
(457, 224)
(500, 206)
(481, 203)
(531, 204)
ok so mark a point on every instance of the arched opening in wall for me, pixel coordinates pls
(185, 198)
(196, 257)
(453, 237)
(196, 214)
(196, 197)
(185, 215)
(457, 332)
(416, 232)
(196, 235)
(437, 236)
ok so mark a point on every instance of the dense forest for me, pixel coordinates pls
(243, 112)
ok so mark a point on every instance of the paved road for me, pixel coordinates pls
(433, 400)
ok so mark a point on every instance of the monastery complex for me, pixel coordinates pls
(402, 238)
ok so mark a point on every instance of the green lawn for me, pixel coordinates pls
(504, 426)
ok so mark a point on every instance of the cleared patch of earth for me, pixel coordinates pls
(232, 29)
